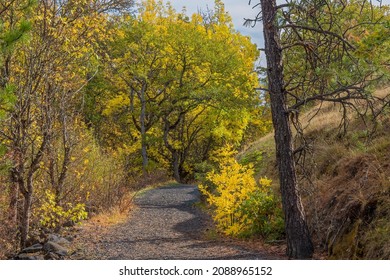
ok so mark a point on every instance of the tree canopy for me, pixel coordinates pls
(101, 97)
(175, 76)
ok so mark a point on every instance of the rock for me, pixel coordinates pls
(53, 247)
(58, 239)
(29, 257)
(53, 238)
(33, 249)
(51, 256)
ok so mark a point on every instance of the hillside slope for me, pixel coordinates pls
(345, 182)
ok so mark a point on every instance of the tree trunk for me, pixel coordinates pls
(14, 195)
(176, 166)
(299, 245)
(175, 160)
(25, 222)
(143, 130)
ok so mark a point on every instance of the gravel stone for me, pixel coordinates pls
(165, 225)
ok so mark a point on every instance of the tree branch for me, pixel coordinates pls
(295, 26)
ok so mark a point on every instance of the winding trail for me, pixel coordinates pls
(165, 225)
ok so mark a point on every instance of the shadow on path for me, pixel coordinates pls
(166, 224)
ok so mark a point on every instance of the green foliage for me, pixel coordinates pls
(202, 169)
(15, 34)
(316, 65)
(265, 214)
(52, 216)
(241, 206)
(359, 139)
(13, 27)
(47, 154)
(13, 22)
(181, 87)
(255, 158)
(7, 99)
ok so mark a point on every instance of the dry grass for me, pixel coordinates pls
(264, 143)
(349, 183)
(346, 190)
(7, 228)
(321, 117)
(114, 215)
(120, 213)
(382, 92)
(7, 239)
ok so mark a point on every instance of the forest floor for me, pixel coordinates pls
(166, 223)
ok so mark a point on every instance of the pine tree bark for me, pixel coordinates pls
(299, 244)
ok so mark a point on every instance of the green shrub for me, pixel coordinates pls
(241, 206)
(266, 215)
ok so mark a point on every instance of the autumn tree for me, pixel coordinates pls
(179, 76)
(140, 62)
(48, 74)
(14, 25)
(313, 54)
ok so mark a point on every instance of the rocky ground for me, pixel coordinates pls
(54, 247)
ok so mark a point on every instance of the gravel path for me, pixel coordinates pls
(165, 225)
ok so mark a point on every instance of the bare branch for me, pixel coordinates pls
(295, 26)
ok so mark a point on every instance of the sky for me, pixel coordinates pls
(238, 10)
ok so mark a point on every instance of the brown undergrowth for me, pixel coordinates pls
(344, 182)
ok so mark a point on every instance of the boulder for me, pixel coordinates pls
(58, 239)
(55, 248)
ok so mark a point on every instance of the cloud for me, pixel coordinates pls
(238, 9)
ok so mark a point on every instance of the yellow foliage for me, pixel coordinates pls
(231, 187)
(52, 215)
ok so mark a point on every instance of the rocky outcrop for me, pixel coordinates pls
(53, 248)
